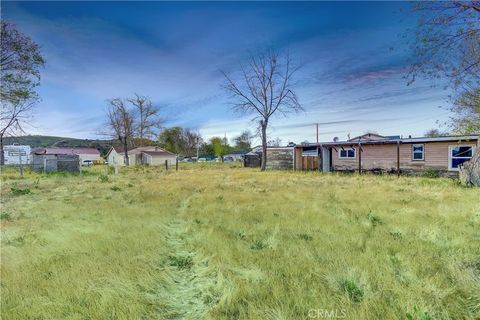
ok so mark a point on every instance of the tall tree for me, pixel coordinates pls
(148, 117)
(172, 139)
(264, 88)
(447, 45)
(121, 123)
(20, 64)
(219, 146)
(244, 140)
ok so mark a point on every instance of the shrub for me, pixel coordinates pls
(430, 173)
(352, 289)
(181, 262)
(17, 191)
(103, 178)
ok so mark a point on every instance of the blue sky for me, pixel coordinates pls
(353, 59)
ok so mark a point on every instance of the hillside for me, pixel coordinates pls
(37, 141)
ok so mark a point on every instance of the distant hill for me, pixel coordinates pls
(36, 141)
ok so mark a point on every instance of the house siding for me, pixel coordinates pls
(384, 157)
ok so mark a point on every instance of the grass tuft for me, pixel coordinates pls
(352, 289)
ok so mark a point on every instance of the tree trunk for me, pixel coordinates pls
(263, 124)
(470, 171)
(125, 148)
(2, 155)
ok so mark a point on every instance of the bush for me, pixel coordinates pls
(431, 173)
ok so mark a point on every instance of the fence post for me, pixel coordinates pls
(80, 166)
(115, 166)
(45, 165)
(166, 164)
(20, 162)
(176, 164)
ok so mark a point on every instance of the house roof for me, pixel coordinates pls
(158, 153)
(238, 152)
(55, 150)
(395, 139)
(136, 150)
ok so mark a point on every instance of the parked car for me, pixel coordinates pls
(202, 159)
(228, 159)
(87, 163)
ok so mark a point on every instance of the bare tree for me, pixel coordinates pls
(120, 121)
(148, 116)
(447, 46)
(193, 140)
(264, 88)
(20, 63)
(12, 118)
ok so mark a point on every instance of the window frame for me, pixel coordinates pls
(423, 151)
(450, 168)
(347, 157)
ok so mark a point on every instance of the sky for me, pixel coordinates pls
(353, 57)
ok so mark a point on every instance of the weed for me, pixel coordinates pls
(17, 191)
(181, 262)
(103, 178)
(197, 221)
(258, 245)
(241, 235)
(374, 219)
(5, 216)
(130, 185)
(115, 188)
(418, 314)
(431, 173)
(352, 289)
(305, 237)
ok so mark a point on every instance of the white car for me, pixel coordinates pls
(202, 159)
(87, 163)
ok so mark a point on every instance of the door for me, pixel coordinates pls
(327, 158)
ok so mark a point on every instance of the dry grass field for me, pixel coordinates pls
(217, 242)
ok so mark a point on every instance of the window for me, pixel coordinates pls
(458, 155)
(347, 153)
(418, 152)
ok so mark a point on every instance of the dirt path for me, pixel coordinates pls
(191, 289)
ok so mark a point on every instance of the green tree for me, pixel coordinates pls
(171, 139)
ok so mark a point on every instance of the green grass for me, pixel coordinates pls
(216, 241)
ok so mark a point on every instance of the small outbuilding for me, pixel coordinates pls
(53, 162)
(152, 155)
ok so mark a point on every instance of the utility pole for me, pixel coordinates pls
(317, 133)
